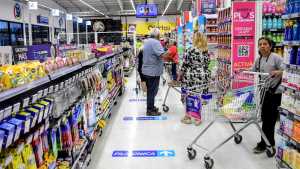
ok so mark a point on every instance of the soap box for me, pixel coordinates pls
(34, 113)
(2, 134)
(50, 101)
(27, 118)
(46, 107)
(18, 127)
(9, 130)
(41, 109)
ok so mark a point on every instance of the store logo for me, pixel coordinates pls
(17, 11)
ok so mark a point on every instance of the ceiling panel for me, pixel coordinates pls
(112, 7)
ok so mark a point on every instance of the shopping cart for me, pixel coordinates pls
(242, 103)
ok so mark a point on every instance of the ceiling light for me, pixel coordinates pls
(92, 7)
(133, 6)
(170, 1)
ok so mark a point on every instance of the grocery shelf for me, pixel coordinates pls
(212, 25)
(292, 43)
(63, 71)
(291, 16)
(79, 155)
(224, 33)
(88, 62)
(293, 67)
(273, 30)
(289, 88)
(283, 163)
(289, 139)
(272, 14)
(211, 33)
(24, 88)
(291, 115)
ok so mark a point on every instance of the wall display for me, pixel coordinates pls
(39, 52)
(20, 54)
(243, 42)
(209, 6)
(42, 19)
(146, 10)
(5, 55)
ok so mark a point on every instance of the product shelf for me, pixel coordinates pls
(64, 71)
(289, 139)
(224, 33)
(24, 88)
(212, 25)
(273, 30)
(291, 16)
(293, 67)
(291, 43)
(291, 89)
(88, 62)
(291, 115)
(79, 155)
(212, 33)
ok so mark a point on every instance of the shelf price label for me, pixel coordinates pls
(26, 102)
(34, 98)
(16, 107)
(45, 92)
(40, 94)
(50, 89)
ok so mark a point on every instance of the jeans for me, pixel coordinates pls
(152, 83)
(269, 116)
(174, 71)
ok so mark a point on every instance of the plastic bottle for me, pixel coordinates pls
(270, 23)
(264, 23)
(293, 56)
(298, 57)
(295, 28)
(287, 54)
(273, 8)
(265, 8)
(274, 25)
(279, 23)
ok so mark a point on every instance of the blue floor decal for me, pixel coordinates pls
(144, 153)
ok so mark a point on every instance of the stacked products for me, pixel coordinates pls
(212, 30)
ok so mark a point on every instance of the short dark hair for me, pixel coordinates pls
(270, 42)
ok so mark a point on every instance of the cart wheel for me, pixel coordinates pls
(165, 108)
(238, 139)
(191, 153)
(209, 163)
(271, 152)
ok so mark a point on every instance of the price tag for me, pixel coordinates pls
(56, 88)
(45, 93)
(7, 112)
(34, 98)
(26, 102)
(16, 107)
(40, 94)
(1, 115)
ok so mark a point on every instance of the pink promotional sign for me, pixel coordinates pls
(243, 38)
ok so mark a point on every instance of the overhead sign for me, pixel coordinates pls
(143, 28)
(89, 23)
(209, 7)
(144, 153)
(42, 19)
(33, 5)
(144, 118)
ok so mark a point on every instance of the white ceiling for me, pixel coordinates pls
(113, 7)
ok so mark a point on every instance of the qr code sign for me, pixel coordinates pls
(243, 51)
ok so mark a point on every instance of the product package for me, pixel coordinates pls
(18, 127)
(9, 130)
(27, 119)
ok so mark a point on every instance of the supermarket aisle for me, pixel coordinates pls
(167, 133)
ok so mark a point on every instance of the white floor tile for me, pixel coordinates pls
(170, 134)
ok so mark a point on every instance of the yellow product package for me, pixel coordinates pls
(28, 157)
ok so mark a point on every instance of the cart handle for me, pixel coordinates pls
(256, 73)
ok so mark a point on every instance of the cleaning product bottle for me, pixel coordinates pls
(265, 8)
(279, 23)
(286, 54)
(293, 56)
(295, 28)
(278, 38)
(270, 23)
(274, 25)
(264, 21)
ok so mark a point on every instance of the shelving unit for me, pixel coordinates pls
(288, 151)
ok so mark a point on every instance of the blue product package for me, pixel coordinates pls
(18, 126)
(9, 130)
(2, 134)
(193, 106)
(27, 118)
(50, 101)
(34, 113)
(293, 56)
(41, 108)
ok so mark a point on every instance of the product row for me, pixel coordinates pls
(224, 54)
(287, 153)
(291, 103)
(211, 21)
(272, 23)
(292, 55)
(211, 29)
(224, 15)
(224, 28)
(291, 79)
(292, 30)
(224, 39)
(292, 6)
(274, 7)
(276, 37)
(212, 38)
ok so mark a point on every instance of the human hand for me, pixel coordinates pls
(276, 73)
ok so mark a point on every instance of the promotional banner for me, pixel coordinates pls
(180, 48)
(243, 38)
(209, 6)
(20, 54)
(143, 28)
(39, 52)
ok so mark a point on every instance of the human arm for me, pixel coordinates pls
(279, 65)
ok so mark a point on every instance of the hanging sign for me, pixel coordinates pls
(20, 54)
(17, 11)
(33, 5)
(55, 12)
(42, 19)
(243, 41)
(209, 6)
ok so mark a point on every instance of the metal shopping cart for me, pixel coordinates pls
(241, 102)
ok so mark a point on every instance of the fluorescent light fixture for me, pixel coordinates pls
(90, 6)
(33, 5)
(88, 23)
(79, 20)
(133, 6)
(69, 17)
(170, 1)
(55, 12)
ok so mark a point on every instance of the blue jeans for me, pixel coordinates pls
(174, 71)
(152, 83)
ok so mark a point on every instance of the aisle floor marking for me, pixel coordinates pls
(144, 153)
(142, 99)
(144, 118)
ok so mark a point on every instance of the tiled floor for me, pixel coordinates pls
(169, 133)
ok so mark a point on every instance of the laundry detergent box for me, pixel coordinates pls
(27, 119)
(50, 101)
(18, 127)
(41, 108)
(34, 114)
(47, 106)
(9, 130)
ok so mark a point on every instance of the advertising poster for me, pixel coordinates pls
(243, 41)
(39, 52)
(209, 6)
(5, 55)
(20, 54)
(189, 34)
(180, 43)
